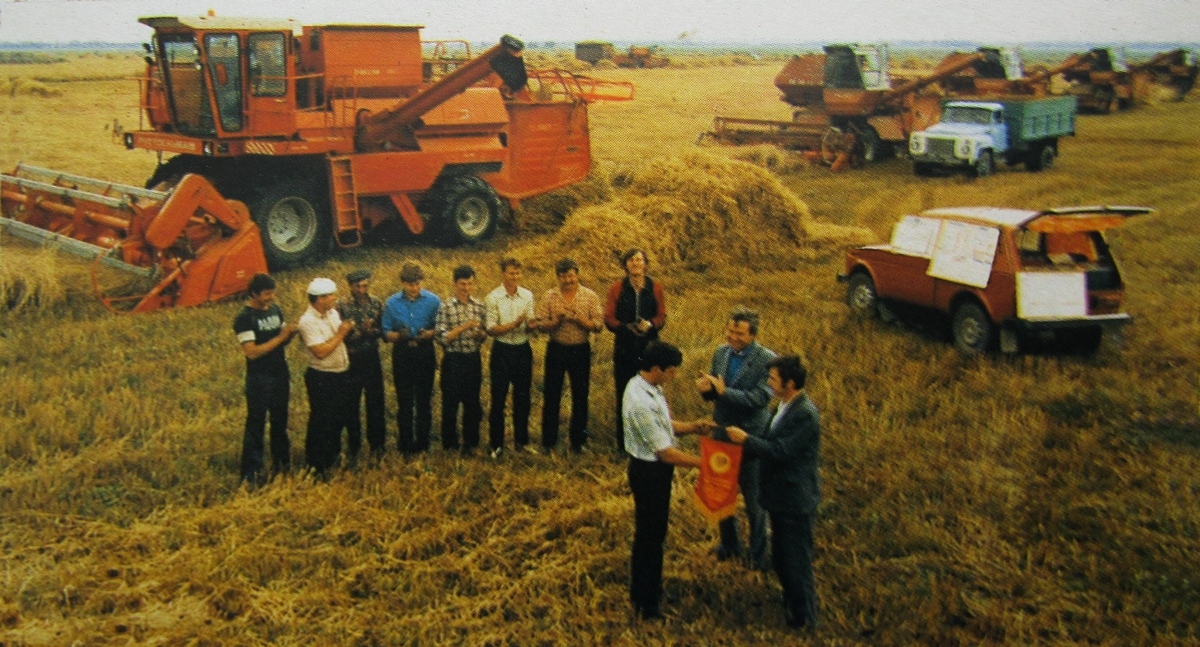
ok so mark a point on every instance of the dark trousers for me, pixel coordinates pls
(413, 368)
(366, 376)
(329, 409)
(266, 394)
(510, 364)
(462, 377)
(792, 556)
(624, 369)
(651, 486)
(731, 544)
(575, 362)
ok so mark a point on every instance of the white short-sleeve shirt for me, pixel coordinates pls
(647, 420)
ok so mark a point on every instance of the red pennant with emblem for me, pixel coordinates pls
(717, 488)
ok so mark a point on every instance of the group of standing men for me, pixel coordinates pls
(342, 338)
(778, 474)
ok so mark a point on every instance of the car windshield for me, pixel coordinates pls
(964, 115)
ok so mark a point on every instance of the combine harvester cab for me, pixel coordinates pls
(1101, 80)
(329, 132)
(191, 244)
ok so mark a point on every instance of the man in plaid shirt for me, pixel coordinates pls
(461, 332)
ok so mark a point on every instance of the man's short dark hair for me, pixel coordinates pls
(566, 265)
(260, 283)
(463, 272)
(634, 251)
(790, 369)
(742, 313)
(509, 261)
(411, 272)
(661, 354)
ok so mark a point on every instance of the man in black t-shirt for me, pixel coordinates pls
(262, 333)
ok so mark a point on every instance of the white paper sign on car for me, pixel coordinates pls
(915, 236)
(1051, 295)
(964, 253)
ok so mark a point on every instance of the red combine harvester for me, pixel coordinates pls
(328, 132)
(846, 106)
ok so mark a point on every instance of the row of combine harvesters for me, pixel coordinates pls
(849, 108)
(278, 142)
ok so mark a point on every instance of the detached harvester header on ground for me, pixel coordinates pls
(324, 134)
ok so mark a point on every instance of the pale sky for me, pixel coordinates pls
(650, 21)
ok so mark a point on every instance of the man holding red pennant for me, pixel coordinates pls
(650, 442)
(717, 488)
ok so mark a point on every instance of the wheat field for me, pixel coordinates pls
(1041, 498)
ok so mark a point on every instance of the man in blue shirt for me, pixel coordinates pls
(409, 324)
(736, 384)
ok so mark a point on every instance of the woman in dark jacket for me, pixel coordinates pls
(635, 312)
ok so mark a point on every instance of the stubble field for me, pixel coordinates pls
(1033, 499)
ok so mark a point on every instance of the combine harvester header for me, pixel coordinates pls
(195, 245)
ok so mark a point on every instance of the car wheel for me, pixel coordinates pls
(1085, 341)
(972, 329)
(861, 296)
(985, 165)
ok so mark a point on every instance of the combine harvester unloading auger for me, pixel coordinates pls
(193, 245)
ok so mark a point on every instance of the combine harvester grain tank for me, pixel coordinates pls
(326, 133)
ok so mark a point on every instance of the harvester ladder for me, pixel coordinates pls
(347, 219)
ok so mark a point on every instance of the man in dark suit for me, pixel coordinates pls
(791, 486)
(737, 386)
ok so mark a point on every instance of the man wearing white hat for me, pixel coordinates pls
(326, 380)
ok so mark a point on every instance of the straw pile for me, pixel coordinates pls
(696, 210)
(30, 279)
(21, 86)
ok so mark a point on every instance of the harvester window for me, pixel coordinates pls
(185, 79)
(267, 65)
(224, 66)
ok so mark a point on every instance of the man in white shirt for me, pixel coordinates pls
(326, 380)
(508, 309)
(650, 441)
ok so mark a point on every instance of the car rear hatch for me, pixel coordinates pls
(1071, 277)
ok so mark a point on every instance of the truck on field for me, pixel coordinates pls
(973, 135)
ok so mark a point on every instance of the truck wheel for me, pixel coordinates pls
(1041, 159)
(861, 295)
(986, 165)
(468, 209)
(294, 224)
(972, 329)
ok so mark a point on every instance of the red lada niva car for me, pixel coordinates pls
(1002, 275)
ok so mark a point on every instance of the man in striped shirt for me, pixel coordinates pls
(461, 332)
